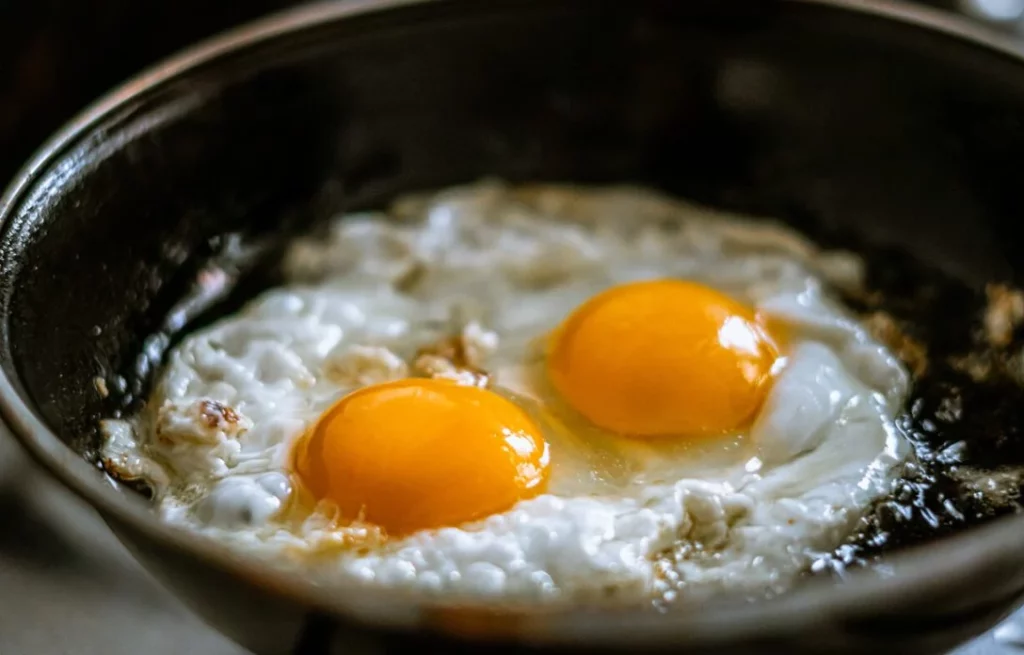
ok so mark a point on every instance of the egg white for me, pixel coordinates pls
(503, 265)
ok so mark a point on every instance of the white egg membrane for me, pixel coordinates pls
(505, 265)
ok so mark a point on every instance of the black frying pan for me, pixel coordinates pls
(892, 131)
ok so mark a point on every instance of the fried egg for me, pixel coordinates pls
(539, 394)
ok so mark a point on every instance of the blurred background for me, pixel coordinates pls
(66, 584)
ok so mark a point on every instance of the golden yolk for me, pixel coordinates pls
(663, 357)
(422, 453)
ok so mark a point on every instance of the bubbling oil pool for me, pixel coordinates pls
(963, 426)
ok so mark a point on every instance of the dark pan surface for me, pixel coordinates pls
(898, 141)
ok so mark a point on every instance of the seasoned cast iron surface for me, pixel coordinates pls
(897, 142)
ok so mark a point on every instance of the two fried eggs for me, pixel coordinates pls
(541, 393)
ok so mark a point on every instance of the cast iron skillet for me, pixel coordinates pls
(895, 128)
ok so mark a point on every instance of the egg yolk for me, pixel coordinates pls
(663, 357)
(422, 453)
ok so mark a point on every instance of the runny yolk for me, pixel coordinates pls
(663, 357)
(423, 453)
